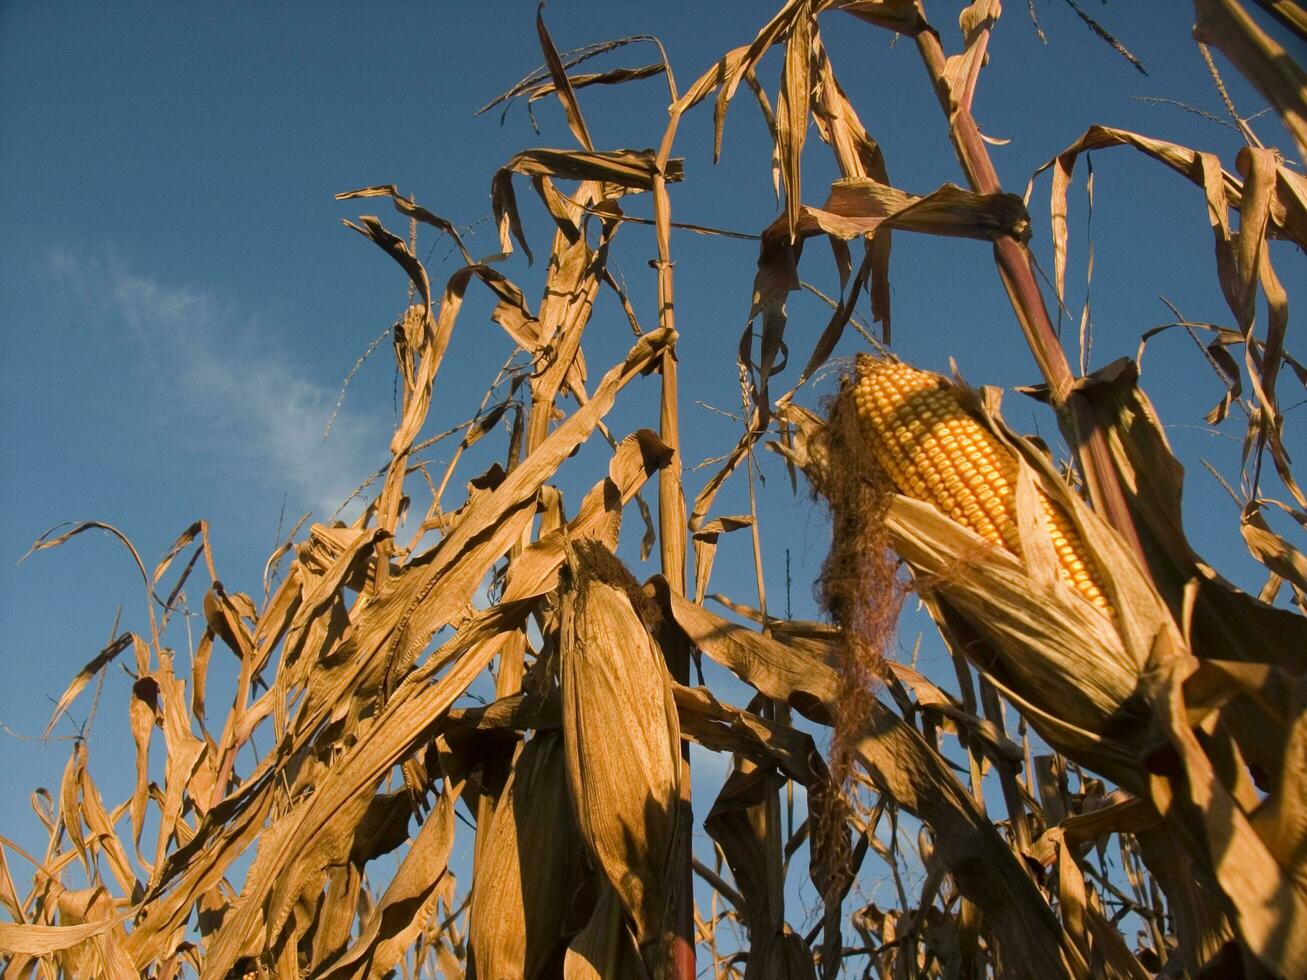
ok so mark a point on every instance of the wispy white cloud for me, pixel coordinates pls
(232, 381)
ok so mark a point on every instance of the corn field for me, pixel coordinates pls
(1116, 784)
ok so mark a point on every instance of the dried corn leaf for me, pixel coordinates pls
(770, 667)
(101, 837)
(1121, 813)
(39, 940)
(705, 548)
(1281, 820)
(901, 16)
(534, 81)
(8, 893)
(914, 775)
(410, 715)
(409, 209)
(615, 76)
(727, 74)
(407, 903)
(858, 155)
(861, 206)
(605, 948)
(333, 919)
(198, 529)
(1288, 208)
(1272, 550)
(101, 955)
(186, 758)
(530, 869)
(1111, 946)
(1262, 60)
(792, 110)
(93, 667)
(565, 308)
(1265, 899)
(769, 744)
(46, 541)
(629, 169)
(398, 250)
(562, 84)
(962, 71)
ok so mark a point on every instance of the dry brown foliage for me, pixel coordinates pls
(1173, 730)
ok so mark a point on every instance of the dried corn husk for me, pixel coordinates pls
(621, 735)
(603, 950)
(530, 869)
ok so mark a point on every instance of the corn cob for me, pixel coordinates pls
(932, 449)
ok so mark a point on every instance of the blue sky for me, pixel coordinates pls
(180, 303)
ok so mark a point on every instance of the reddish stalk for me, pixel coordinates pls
(1016, 269)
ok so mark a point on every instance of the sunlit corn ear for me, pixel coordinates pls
(934, 450)
(530, 885)
(1137, 609)
(1005, 490)
(621, 734)
(1005, 551)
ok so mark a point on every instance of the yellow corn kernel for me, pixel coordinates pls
(933, 450)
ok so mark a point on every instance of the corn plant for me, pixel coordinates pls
(1118, 692)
